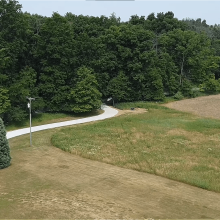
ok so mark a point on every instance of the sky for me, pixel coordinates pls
(206, 10)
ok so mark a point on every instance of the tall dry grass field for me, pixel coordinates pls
(164, 142)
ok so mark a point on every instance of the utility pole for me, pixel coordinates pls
(29, 106)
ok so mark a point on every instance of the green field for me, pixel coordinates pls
(165, 142)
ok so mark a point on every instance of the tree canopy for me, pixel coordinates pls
(72, 62)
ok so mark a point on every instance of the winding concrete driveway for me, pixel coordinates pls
(108, 113)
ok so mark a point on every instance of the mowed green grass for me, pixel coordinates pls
(165, 142)
(47, 118)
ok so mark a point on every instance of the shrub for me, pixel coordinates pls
(195, 92)
(187, 89)
(5, 158)
(178, 96)
(211, 86)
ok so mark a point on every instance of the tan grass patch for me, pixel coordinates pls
(215, 137)
(138, 136)
(135, 111)
(145, 166)
(119, 130)
(194, 137)
(133, 166)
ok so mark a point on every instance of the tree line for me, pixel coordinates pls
(69, 63)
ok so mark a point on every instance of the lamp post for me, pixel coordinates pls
(109, 99)
(29, 106)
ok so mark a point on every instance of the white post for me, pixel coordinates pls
(29, 106)
(30, 124)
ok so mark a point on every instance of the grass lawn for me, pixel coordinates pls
(47, 118)
(165, 142)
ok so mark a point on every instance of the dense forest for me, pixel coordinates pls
(70, 63)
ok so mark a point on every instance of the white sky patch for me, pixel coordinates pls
(206, 10)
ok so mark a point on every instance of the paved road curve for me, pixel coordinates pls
(108, 113)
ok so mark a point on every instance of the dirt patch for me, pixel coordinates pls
(135, 111)
(207, 106)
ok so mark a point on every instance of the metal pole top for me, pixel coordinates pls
(29, 98)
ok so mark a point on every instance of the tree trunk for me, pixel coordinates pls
(181, 74)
